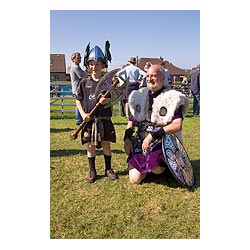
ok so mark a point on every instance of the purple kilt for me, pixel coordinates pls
(145, 163)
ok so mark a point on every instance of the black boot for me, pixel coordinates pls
(109, 172)
(92, 171)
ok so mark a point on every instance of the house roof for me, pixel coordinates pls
(172, 68)
(57, 63)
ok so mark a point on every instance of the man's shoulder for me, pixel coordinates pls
(71, 69)
(196, 72)
(73, 66)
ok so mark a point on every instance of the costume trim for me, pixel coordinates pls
(157, 133)
(138, 102)
(166, 104)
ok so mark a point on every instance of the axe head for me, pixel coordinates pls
(105, 83)
(117, 93)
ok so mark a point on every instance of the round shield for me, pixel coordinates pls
(178, 161)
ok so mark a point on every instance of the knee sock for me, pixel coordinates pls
(92, 164)
(107, 159)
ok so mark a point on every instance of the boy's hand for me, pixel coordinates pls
(104, 101)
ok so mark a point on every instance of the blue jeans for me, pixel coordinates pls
(79, 119)
(196, 104)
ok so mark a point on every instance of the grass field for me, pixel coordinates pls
(156, 209)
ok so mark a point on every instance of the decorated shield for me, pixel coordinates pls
(178, 161)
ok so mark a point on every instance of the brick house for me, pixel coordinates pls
(57, 67)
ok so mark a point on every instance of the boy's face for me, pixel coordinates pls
(96, 67)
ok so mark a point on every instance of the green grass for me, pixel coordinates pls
(156, 209)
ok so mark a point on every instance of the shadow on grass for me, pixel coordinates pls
(196, 168)
(189, 115)
(70, 152)
(120, 123)
(59, 116)
(64, 152)
(166, 178)
(60, 130)
(119, 173)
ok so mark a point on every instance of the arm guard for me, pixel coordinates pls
(128, 134)
(157, 133)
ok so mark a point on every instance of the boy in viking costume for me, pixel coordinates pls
(99, 131)
(155, 112)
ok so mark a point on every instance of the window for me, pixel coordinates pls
(54, 78)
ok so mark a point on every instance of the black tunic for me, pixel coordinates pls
(105, 129)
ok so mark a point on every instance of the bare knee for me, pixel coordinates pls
(135, 177)
(134, 180)
(91, 152)
(106, 147)
(158, 170)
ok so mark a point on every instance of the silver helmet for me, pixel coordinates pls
(96, 54)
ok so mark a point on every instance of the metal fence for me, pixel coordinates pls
(183, 88)
(60, 94)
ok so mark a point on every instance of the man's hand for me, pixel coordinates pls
(146, 143)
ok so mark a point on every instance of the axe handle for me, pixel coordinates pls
(74, 135)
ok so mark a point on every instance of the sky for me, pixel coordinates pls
(171, 34)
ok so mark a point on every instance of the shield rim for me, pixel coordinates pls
(169, 165)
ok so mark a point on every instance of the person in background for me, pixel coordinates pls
(99, 130)
(135, 75)
(152, 107)
(123, 101)
(195, 89)
(184, 80)
(146, 67)
(76, 74)
(167, 75)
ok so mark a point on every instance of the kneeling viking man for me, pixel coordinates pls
(155, 112)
